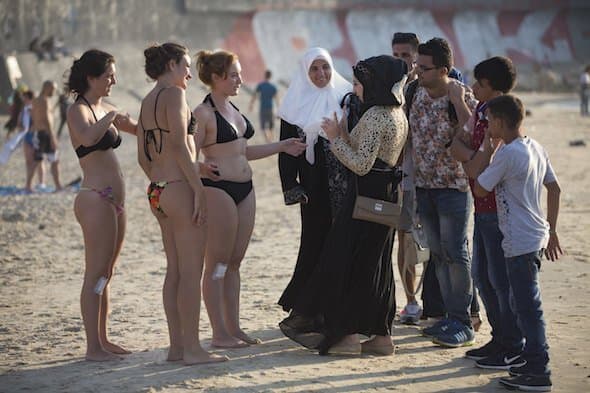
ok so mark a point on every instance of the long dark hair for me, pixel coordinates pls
(93, 63)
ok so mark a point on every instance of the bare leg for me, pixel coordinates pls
(411, 272)
(246, 214)
(55, 174)
(30, 172)
(99, 228)
(190, 248)
(175, 352)
(104, 309)
(222, 229)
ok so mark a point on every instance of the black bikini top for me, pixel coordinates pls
(109, 140)
(225, 131)
(150, 135)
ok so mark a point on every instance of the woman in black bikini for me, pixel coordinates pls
(168, 155)
(94, 131)
(230, 194)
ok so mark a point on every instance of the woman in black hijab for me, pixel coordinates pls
(351, 290)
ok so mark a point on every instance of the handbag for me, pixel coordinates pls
(416, 249)
(377, 210)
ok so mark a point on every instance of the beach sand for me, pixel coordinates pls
(42, 341)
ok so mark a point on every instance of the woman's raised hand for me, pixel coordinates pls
(331, 127)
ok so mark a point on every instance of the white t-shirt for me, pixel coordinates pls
(518, 172)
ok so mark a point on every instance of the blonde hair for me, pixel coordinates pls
(218, 63)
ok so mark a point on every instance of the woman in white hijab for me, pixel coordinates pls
(316, 180)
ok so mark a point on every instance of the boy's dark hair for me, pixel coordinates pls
(439, 49)
(405, 38)
(509, 108)
(28, 94)
(267, 74)
(498, 71)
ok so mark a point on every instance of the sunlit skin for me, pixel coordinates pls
(230, 226)
(320, 73)
(408, 54)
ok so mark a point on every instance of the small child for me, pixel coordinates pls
(519, 168)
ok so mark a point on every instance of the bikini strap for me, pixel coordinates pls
(89, 106)
(156, 107)
(210, 101)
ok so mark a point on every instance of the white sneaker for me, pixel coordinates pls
(411, 314)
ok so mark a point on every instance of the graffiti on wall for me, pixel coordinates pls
(276, 39)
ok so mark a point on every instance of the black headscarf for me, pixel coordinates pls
(378, 74)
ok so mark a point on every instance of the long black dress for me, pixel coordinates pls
(321, 183)
(352, 289)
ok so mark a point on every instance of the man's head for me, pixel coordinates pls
(493, 76)
(405, 47)
(48, 88)
(505, 114)
(28, 96)
(267, 75)
(435, 60)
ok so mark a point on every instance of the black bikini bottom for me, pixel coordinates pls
(237, 191)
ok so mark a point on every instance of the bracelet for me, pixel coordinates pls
(552, 232)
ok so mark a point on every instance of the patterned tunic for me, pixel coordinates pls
(431, 132)
(380, 133)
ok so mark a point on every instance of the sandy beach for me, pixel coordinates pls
(42, 341)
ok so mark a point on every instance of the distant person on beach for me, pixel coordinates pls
(316, 181)
(16, 106)
(63, 101)
(29, 138)
(44, 140)
(584, 91)
(168, 155)
(267, 92)
(231, 201)
(494, 77)
(517, 167)
(100, 205)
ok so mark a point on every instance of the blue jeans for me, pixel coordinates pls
(491, 279)
(523, 274)
(444, 215)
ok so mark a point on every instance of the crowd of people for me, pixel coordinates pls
(406, 131)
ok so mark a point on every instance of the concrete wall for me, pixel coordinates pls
(273, 34)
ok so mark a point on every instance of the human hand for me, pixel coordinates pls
(331, 127)
(199, 208)
(293, 146)
(210, 170)
(456, 91)
(123, 121)
(553, 250)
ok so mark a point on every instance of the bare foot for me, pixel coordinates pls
(379, 345)
(228, 342)
(241, 335)
(101, 356)
(203, 357)
(175, 354)
(114, 348)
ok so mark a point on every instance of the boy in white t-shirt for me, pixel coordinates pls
(518, 170)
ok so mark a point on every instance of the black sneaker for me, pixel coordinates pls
(528, 383)
(501, 361)
(491, 348)
(517, 371)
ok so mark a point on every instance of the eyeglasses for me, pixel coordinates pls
(424, 68)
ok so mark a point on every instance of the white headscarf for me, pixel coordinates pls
(305, 104)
